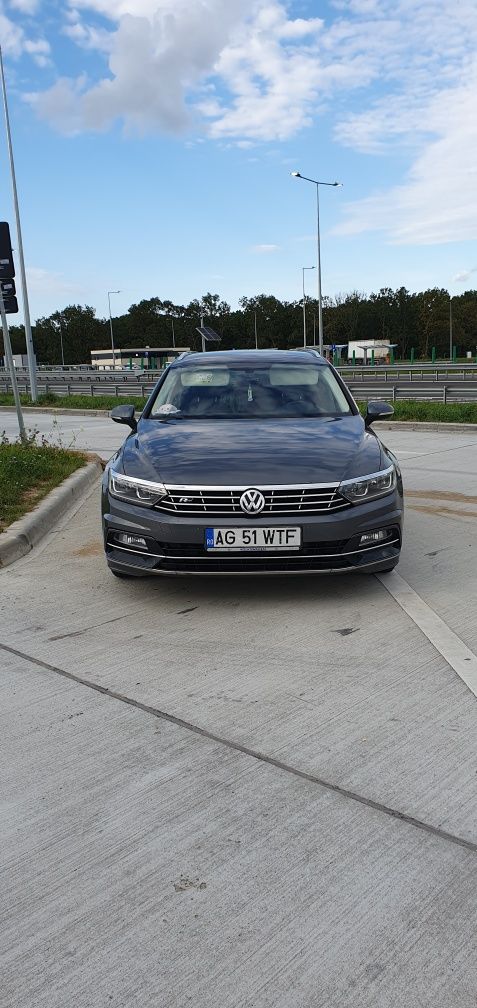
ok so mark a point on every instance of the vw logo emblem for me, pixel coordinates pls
(252, 502)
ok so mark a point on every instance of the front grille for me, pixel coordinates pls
(177, 551)
(225, 502)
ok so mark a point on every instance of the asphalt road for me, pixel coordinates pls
(244, 793)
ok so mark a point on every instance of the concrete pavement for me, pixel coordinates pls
(277, 807)
(94, 433)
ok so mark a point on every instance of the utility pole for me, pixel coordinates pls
(26, 306)
(111, 327)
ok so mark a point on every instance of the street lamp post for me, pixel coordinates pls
(296, 174)
(255, 328)
(60, 331)
(450, 327)
(304, 301)
(111, 326)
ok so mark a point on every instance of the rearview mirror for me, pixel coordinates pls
(124, 415)
(377, 410)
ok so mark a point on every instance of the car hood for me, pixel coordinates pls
(250, 452)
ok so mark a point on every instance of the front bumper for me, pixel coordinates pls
(176, 544)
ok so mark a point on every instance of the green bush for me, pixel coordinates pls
(80, 402)
(407, 409)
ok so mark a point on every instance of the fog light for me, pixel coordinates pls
(373, 537)
(131, 540)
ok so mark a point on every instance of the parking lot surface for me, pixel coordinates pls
(244, 792)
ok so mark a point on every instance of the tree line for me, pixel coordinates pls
(420, 321)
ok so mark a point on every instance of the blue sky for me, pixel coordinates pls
(154, 141)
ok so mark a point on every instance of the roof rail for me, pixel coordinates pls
(313, 350)
(181, 355)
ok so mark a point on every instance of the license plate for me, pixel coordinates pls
(252, 540)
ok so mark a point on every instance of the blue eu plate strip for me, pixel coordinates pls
(209, 538)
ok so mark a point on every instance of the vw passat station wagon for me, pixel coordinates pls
(251, 462)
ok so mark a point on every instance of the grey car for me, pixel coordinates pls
(251, 462)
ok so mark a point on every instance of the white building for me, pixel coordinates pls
(363, 350)
(136, 358)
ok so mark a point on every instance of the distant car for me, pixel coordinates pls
(251, 462)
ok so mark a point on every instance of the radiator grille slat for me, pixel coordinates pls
(225, 501)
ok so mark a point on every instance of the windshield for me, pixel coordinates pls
(273, 390)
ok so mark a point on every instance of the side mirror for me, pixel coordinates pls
(377, 410)
(124, 415)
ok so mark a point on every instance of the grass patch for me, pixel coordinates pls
(27, 474)
(80, 402)
(432, 412)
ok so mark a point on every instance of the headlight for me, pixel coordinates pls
(137, 491)
(369, 487)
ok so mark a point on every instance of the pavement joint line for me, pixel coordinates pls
(460, 658)
(442, 451)
(255, 754)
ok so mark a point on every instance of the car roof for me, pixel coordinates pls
(251, 357)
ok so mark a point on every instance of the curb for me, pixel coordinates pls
(25, 533)
(427, 425)
(57, 411)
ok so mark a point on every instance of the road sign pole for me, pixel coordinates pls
(202, 333)
(9, 359)
(26, 306)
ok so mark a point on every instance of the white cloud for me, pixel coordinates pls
(244, 66)
(13, 38)
(88, 36)
(39, 50)
(46, 282)
(400, 75)
(161, 51)
(437, 202)
(25, 6)
(428, 114)
(465, 275)
(265, 248)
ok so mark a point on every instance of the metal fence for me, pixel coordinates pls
(410, 372)
(443, 392)
(92, 383)
(451, 384)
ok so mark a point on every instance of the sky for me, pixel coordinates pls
(154, 142)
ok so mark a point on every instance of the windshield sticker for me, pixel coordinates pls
(191, 378)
